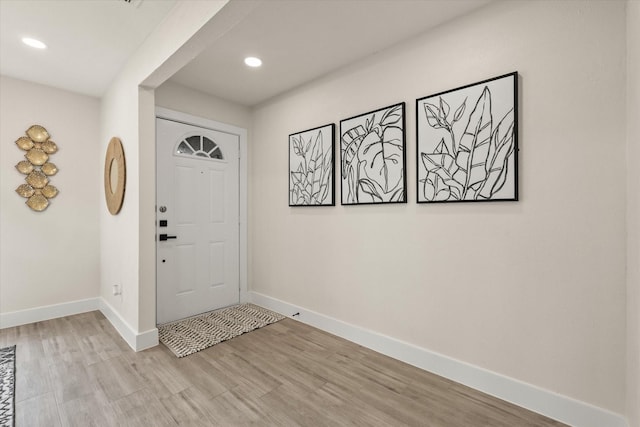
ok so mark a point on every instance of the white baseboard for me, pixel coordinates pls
(137, 341)
(558, 407)
(47, 312)
(147, 339)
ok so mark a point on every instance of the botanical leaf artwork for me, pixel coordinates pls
(311, 167)
(467, 143)
(372, 157)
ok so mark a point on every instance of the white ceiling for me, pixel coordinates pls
(298, 40)
(88, 40)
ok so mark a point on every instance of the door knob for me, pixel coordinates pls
(164, 237)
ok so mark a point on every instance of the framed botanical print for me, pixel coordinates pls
(372, 157)
(311, 174)
(467, 143)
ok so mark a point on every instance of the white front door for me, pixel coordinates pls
(198, 266)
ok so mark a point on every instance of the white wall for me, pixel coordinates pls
(127, 244)
(186, 100)
(534, 290)
(119, 241)
(633, 213)
(49, 257)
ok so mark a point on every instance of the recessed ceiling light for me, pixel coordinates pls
(252, 61)
(33, 43)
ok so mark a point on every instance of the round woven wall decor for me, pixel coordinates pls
(115, 176)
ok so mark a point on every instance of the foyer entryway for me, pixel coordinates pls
(197, 219)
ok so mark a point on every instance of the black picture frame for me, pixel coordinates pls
(373, 157)
(467, 143)
(311, 167)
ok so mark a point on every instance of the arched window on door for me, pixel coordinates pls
(199, 145)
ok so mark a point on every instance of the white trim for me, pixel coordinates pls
(165, 113)
(146, 339)
(137, 341)
(244, 221)
(529, 396)
(47, 312)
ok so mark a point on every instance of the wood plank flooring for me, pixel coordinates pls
(77, 371)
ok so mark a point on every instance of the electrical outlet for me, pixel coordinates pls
(117, 290)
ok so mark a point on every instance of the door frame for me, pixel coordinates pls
(177, 116)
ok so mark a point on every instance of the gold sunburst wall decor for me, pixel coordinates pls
(37, 167)
(115, 175)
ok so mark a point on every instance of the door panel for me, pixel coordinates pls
(197, 187)
(185, 203)
(217, 261)
(217, 186)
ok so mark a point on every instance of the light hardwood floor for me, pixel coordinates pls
(77, 371)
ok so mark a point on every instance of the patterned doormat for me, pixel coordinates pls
(7, 386)
(191, 335)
